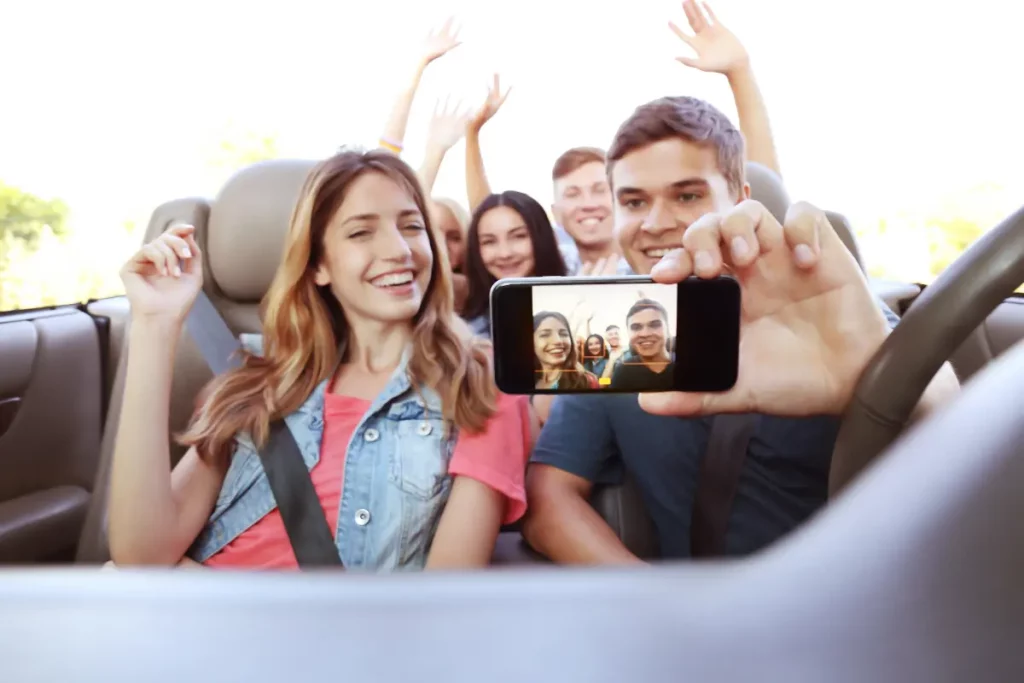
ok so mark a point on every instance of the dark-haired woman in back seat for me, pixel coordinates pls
(415, 457)
(510, 235)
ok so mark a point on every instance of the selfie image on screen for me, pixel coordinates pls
(593, 337)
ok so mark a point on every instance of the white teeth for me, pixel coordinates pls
(590, 221)
(656, 253)
(392, 279)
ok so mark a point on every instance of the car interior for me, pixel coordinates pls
(60, 392)
(880, 573)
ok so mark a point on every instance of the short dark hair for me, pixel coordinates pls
(574, 158)
(647, 305)
(611, 327)
(547, 258)
(690, 119)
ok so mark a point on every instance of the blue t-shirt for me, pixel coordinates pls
(784, 478)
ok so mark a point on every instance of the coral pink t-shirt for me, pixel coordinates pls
(496, 457)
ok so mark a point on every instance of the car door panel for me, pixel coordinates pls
(51, 385)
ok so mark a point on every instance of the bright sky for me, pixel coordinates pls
(878, 107)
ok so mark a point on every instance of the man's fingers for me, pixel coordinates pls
(738, 230)
(673, 268)
(802, 233)
(680, 404)
(703, 240)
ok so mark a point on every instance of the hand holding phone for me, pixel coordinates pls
(810, 323)
(637, 335)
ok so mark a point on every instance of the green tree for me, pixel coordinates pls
(23, 219)
(24, 216)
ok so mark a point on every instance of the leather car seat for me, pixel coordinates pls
(241, 233)
(766, 187)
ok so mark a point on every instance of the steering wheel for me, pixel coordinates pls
(938, 322)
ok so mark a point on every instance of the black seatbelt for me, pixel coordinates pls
(303, 516)
(301, 512)
(716, 485)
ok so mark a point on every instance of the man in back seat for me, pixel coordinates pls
(673, 161)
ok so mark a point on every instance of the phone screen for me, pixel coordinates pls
(621, 335)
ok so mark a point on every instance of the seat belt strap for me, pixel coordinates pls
(717, 483)
(212, 336)
(304, 519)
(303, 516)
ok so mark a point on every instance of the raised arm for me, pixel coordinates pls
(718, 50)
(447, 127)
(437, 44)
(155, 514)
(477, 187)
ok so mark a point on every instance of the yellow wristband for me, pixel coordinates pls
(390, 146)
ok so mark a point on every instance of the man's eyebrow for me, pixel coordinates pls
(689, 182)
(624, 191)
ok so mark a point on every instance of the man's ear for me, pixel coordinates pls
(745, 194)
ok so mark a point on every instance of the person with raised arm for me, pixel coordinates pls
(447, 126)
(809, 324)
(583, 204)
(437, 44)
(414, 456)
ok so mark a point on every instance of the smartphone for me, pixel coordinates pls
(557, 335)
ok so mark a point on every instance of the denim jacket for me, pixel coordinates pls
(396, 480)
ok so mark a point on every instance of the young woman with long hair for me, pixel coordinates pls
(415, 457)
(510, 235)
(595, 355)
(554, 355)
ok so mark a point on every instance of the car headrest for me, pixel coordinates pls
(248, 223)
(766, 187)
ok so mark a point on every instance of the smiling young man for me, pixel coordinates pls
(673, 161)
(583, 210)
(647, 323)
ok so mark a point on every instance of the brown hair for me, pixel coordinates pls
(691, 119)
(574, 158)
(304, 326)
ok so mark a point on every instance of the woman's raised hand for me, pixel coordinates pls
(163, 278)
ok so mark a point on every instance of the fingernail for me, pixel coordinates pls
(804, 255)
(186, 252)
(177, 271)
(702, 261)
(739, 247)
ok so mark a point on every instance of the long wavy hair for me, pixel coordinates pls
(572, 375)
(304, 326)
(547, 258)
